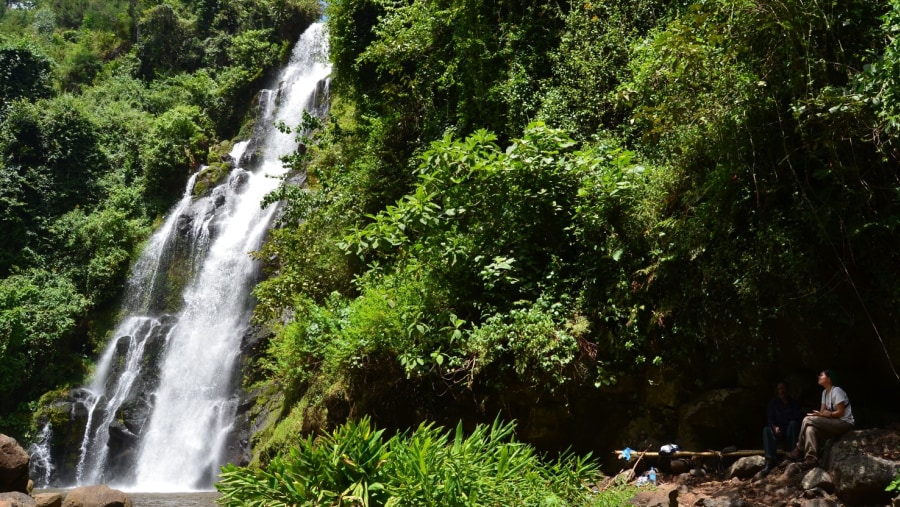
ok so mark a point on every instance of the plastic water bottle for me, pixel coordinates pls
(653, 476)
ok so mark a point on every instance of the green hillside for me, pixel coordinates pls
(573, 215)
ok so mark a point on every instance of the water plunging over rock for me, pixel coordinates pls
(163, 410)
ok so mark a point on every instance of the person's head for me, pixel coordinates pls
(827, 378)
(781, 390)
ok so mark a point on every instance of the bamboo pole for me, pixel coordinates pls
(698, 454)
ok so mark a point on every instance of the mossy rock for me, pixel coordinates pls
(59, 408)
(211, 176)
(322, 406)
(220, 152)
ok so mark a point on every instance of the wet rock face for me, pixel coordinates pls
(15, 488)
(719, 418)
(69, 415)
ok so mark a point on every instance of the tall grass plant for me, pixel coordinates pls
(356, 465)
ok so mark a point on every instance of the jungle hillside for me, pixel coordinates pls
(581, 216)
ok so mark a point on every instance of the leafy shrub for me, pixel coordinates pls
(396, 317)
(879, 83)
(179, 144)
(168, 44)
(591, 60)
(526, 344)
(97, 248)
(24, 72)
(356, 466)
(345, 467)
(39, 310)
(82, 63)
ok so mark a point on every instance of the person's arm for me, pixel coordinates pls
(837, 413)
(821, 407)
(840, 402)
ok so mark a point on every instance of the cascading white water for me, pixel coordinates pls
(41, 463)
(193, 404)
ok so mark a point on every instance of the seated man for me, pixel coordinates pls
(783, 417)
(833, 419)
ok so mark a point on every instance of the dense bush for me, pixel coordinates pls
(24, 72)
(177, 145)
(357, 465)
(473, 277)
(722, 173)
(39, 311)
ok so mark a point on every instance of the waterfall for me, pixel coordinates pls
(41, 464)
(163, 401)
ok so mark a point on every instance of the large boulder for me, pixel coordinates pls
(17, 499)
(860, 471)
(48, 499)
(721, 418)
(746, 467)
(13, 465)
(96, 496)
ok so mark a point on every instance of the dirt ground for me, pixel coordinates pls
(780, 489)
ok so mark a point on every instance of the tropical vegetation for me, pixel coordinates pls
(357, 465)
(105, 110)
(508, 203)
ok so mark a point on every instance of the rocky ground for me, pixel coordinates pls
(788, 485)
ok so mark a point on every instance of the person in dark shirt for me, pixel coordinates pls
(783, 416)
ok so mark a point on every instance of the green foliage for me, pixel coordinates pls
(400, 316)
(350, 29)
(345, 467)
(253, 51)
(895, 484)
(71, 151)
(355, 465)
(38, 310)
(91, 14)
(98, 248)
(452, 267)
(51, 164)
(476, 64)
(490, 220)
(880, 81)
(82, 63)
(24, 72)
(167, 44)
(592, 59)
(689, 77)
(499, 226)
(44, 22)
(529, 344)
(302, 255)
(179, 141)
(308, 265)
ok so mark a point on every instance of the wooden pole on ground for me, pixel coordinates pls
(692, 454)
